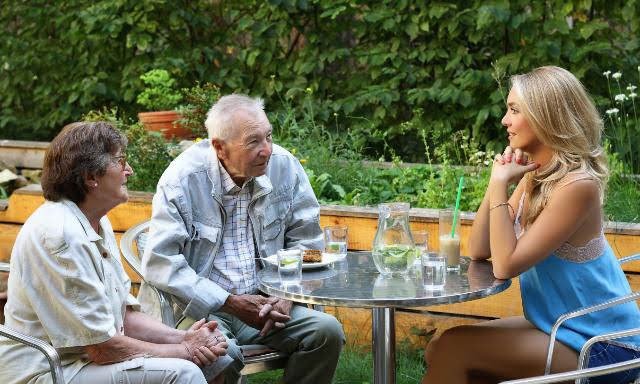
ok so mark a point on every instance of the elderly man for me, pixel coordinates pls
(220, 206)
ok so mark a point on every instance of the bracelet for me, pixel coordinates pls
(503, 204)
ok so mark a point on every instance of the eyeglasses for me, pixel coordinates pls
(122, 160)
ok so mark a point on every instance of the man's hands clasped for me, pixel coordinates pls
(204, 343)
(263, 313)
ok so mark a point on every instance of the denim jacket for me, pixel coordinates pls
(188, 220)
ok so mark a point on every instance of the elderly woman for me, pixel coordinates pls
(68, 287)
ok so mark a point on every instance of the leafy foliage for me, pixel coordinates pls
(198, 99)
(149, 155)
(159, 93)
(393, 72)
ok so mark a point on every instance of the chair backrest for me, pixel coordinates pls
(50, 353)
(132, 245)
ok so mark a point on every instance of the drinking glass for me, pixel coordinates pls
(421, 242)
(434, 271)
(449, 245)
(290, 267)
(336, 239)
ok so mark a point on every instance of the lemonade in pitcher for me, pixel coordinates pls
(394, 251)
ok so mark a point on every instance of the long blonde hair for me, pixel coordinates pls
(565, 119)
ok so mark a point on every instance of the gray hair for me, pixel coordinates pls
(219, 121)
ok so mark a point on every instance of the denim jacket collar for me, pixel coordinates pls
(261, 185)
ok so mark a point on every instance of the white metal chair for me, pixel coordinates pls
(50, 353)
(583, 360)
(257, 358)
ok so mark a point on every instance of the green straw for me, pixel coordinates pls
(457, 208)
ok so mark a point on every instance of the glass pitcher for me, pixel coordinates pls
(393, 247)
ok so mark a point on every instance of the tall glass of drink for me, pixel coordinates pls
(449, 239)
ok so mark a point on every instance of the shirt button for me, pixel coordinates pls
(105, 254)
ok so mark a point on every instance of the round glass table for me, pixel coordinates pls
(355, 282)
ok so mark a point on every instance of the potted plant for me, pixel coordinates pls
(161, 98)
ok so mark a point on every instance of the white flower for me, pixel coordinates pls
(631, 88)
(612, 111)
(633, 95)
(607, 73)
(617, 75)
(621, 97)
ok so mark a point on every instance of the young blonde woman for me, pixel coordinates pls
(549, 232)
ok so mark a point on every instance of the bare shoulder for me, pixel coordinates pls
(579, 191)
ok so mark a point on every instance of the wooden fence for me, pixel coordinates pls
(414, 325)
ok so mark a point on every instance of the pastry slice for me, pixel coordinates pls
(311, 256)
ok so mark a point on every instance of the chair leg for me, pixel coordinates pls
(242, 380)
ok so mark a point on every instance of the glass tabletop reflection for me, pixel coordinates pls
(355, 281)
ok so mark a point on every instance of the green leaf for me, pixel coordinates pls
(412, 31)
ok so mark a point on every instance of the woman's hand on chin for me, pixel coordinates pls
(510, 166)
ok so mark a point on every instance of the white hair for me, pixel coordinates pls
(219, 121)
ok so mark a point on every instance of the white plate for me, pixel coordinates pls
(327, 258)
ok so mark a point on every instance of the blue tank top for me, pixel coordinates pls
(556, 286)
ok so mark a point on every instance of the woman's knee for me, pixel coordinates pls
(448, 342)
(429, 350)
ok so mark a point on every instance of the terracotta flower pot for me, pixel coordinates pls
(165, 122)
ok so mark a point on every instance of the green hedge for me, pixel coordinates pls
(388, 73)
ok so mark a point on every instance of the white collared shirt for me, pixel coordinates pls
(66, 287)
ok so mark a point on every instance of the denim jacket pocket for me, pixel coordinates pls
(274, 217)
(271, 229)
(203, 244)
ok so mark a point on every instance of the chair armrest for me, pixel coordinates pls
(50, 352)
(583, 359)
(578, 374)
(630, 258)
(580, 312)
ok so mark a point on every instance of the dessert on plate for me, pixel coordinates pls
(311, 256)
